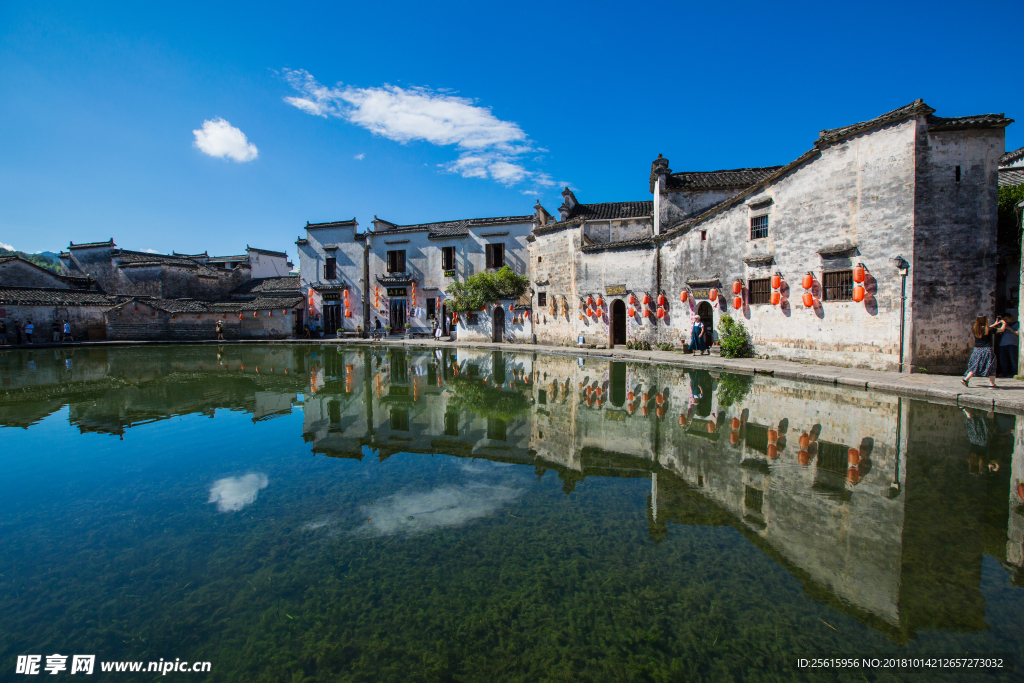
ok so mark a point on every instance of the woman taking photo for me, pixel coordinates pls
(983, 360)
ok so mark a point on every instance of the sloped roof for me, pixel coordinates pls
(714, 180)
(613, 210)
(456, 228)
(48, 296)
(142, 259)
(224, 259)
(1011, 177)
(267, 251)
(936, 123)
(90, 245)
(832, 135)
(331, 224)
(1012, 157)
(268, 285)
(265, 303)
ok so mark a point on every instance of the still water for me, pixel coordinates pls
(304, 513)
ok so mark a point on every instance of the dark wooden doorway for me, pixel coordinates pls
(617, 329)
(397, 315)
(332, 319)
(498, 325)
(707, 318)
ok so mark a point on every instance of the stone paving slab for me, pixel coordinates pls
(1008, 397)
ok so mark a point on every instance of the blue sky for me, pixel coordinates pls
(211, 126)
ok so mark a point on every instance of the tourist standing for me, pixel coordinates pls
(220, 330)
(67, 333)
(3, 333)
(983, 360)
(55, 331)
(29, 329)
(1009, 339)
(17, 332)
(697, 336)
(376, 329)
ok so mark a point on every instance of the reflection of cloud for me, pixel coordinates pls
(445, 506)
(231, 494)
(317, 523)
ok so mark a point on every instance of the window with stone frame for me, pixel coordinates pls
(759, 291)
(495, 255)
(758, 227)
(447, 258)
(396, 261)
(330, 268)
(431, 307)
(837, 285)
(542, 299)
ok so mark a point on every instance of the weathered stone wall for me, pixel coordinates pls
(675, 206)
(349, 257)
(617, 230)
(86, 321)
(16, 273)
(518, 327)
(129, 322)
(595, 272)
(553, 272)
(953, 271)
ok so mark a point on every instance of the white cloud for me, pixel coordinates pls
(218, 138)
(445, 506)
(490, 147)
(231, 494)
(149, 251)
(359, 157)
(7, 247)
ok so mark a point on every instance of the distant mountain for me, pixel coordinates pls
(46, 259)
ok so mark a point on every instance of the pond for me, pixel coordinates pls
(308, 513)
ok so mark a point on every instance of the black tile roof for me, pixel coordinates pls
(142, 259)
(267, 285)
(332, 224)
(89, 245)
(1011, 157)
(832, 135)
(267, 251)
(456, 228)
(714, 180)
(624, 244)
(47, 296)
(225, 259)
(937, 123)
(1011, 177)
(269, 303)
(613, 210)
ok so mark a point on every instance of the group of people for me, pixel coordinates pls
(996, 349)
(23, 332)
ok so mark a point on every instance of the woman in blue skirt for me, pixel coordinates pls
(697, 336)
(983, 360)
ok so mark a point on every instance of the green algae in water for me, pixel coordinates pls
(350, 514)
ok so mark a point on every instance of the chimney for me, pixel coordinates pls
(541, 215)
(569, 205)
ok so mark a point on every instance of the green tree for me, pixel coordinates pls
(734, 338)
(485, 288)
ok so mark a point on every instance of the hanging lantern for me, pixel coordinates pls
(345, 294)
(590, 312)
(858, 294)
(808, 281)
(858, 273)
(348, 314)
(632, 300)
(647, 299)
(713, 295)
(737, 287)
(808, 300)
(600, 301)
(773, 436)
(803, 457)
(737, 302)
(590, 301)
(734, 423)
(511, 307)
(645, 398)
(255, 313)
(773, 451)
(776, 298)
(734, 438)
(647, 312)
(805, 440)
(631, 311)
(284, 311)
(853, 457)
(683, 296)
(661, 299)
(661, 312)
(483, 309)
(526, 314)
(599, 391)
(581, 316)
(630, 396)
(776, 281)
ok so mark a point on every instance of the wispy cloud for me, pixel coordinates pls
(218, 138)
(231, 494)
(149, 251)
(446, 506)
(360, 156)
(7, 247)
(489, 147)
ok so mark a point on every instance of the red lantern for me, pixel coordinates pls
(808, 300)
(713, 295)
(661, 299)
(853, 457)
(776, 298)
(632, 300)
(647, 299)
(858, 273)
(776, 281)
(630, 396)
(345, 294)
(805, 440)
(858, 294)
(737, 287)
(682, 419)
(735, 423)
(581, 316)
(631, 311)
(526, 314)
(808, 281)
(600, 302)
(737, 302)
(803, 457)
(511, 307)
(599, 391)
(853, 475)
(661, 312)
(590, 301)
(683, 296)
(773, 451)
(1020, 490)
(712, 428)
(483, 309)
(588, 390)
(348, 314)
(590, 312)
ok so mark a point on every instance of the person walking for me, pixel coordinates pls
(983, 360)
(376, 329)
(697, 336)
(1009, 344)
(220, 330)
(67, 333)
(29, 329)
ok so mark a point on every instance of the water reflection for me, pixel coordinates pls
(882, 507)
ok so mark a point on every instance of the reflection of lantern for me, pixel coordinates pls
(711, 427)
(858, 273)
(581, 316)
(683, 296)
(659, 399)
(773, 436)
(808, 300)
(776, 298)
(661, 312)
(734, 438)
(682, 419)
(713, 295)
(737, 287)
(853, 475)
(630, 408)
(773, 451)
(808, 281)
(660, 412)
(737, 302)
(805, 440)
(735, 423)
(858, 294)
(803, 457)
(588, 390)
(644, 410)
(590, 401)
(645, 397)
(630, 396)
(776, 281)
(853, 457)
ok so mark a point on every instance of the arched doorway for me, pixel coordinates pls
(707, 317)
(498, 325)
(617, 329)
(618, 377)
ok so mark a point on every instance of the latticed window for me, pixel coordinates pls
(542, 298)
(757, 437)
(838, 285)
(760, 290)
(448, 258)
(758, 227)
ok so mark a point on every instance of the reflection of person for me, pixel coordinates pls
(983, 360)
(1009, 338)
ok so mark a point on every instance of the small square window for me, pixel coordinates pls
(838, 285)
(760, 291)
(759, 227)
(703, 235)
(542, 299)
(448, 258)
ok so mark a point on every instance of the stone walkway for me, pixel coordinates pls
(1007, 398)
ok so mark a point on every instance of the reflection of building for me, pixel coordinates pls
(880, 506)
